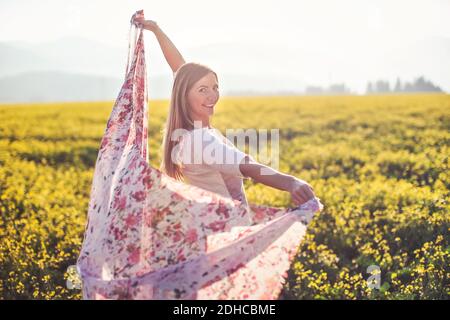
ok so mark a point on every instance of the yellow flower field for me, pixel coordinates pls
(379, 164)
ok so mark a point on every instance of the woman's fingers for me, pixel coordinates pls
(296, 199)
(304, 194)
(299, 197)
(309, 192)
(147, 24)
(137, 21)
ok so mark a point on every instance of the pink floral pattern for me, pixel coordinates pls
(149, 236)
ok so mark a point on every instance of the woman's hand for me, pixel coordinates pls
(301, 191)
(171, 53)
(146, 24)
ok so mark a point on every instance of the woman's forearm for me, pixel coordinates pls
(267, 175)
(171, 53)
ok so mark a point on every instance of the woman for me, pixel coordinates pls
(149, 236)
(194, 96)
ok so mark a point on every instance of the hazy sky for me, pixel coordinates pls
(326, 22)
(350, 30)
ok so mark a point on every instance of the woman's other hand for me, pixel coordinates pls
(301, 191)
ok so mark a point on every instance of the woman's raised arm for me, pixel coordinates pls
(171, 53)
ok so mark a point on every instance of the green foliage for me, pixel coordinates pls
(379, 164)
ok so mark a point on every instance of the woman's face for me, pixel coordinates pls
(202, 98)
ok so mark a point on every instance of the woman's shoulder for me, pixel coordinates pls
(205, 133)
(202, 136)
(192, 140)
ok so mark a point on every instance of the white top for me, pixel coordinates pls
(210, 161)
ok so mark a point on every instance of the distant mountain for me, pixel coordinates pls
(83, 69)
(50, 86)
(71, 55)
(15, 60)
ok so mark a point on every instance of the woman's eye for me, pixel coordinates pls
(203, 89)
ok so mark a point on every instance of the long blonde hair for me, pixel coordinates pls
(180, 113)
